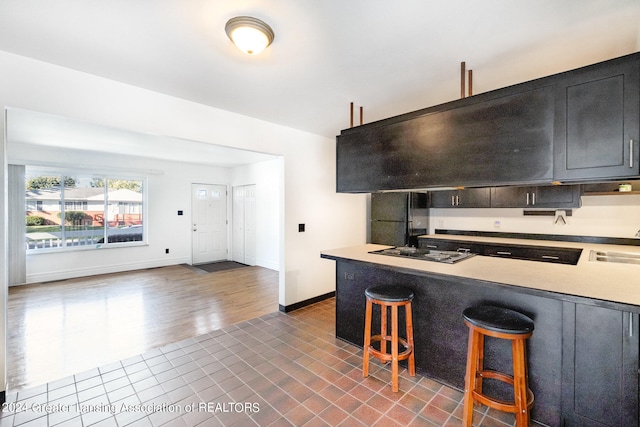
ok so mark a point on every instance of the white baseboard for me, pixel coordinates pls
(270, 264)
(104, 269)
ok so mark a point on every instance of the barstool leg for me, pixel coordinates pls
(367, 339)
(480, 365)
(470, 378)
(384, 332)
(394, 347)
(520, 383)
(409, 326)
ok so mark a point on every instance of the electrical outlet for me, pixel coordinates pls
(349, 276)
(166, 251)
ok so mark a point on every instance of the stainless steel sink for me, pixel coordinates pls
(621, 257)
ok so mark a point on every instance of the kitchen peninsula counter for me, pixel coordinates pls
(606, 281)
(584, 353)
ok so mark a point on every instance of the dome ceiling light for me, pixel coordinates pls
(249, 34)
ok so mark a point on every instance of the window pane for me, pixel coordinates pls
(83, 211)
(43, 197)
(124, 210)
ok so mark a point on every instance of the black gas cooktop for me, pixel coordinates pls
(447, 257)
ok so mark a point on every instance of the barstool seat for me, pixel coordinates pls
(499, 323)
(498, 319)
(389, 293)
(389, 297)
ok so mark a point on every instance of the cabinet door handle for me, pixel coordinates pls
(503, 253)
(531, 197)
(631, 153)
(550, 257)
(631, 324)
(453, 200)
(432, 247)
(457, 200)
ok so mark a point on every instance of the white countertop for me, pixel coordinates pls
(607, 281)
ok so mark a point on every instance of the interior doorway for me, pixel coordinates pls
(209, 223)
(244, 224)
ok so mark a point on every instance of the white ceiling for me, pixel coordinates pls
(390, 57)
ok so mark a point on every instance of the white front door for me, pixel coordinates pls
(209, 222)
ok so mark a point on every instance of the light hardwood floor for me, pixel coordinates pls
(60, 328)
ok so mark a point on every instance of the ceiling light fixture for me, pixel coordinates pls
(251, 35)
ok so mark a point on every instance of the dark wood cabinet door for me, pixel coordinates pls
(597, 122)
(556, 196)
(509, 197)
(552, 196)
(600, 366)
(443, 199)
(467, 198)
(369, 160)
(474, 198)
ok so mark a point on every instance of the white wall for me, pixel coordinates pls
(333, 220)
(606, 216)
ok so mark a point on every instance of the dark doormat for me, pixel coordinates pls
(219, 266)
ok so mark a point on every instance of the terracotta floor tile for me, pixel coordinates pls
(299, 415)
(333, 415)
(434, 414)
(367, 414)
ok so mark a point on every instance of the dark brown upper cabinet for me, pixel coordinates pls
(502, 138)
(597, 121)
(582, 125)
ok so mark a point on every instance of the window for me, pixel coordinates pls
(34, 205)
(81, 211)
(76, 205)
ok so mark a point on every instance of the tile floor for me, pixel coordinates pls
(275, 370)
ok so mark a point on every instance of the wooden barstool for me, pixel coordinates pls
(385, 297)
(505, 324)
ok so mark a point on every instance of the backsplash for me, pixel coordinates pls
(604, 215)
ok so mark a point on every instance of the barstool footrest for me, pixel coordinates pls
(387, 357)
(499, 404)
(495, 375)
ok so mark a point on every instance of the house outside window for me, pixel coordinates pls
(81, 211)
